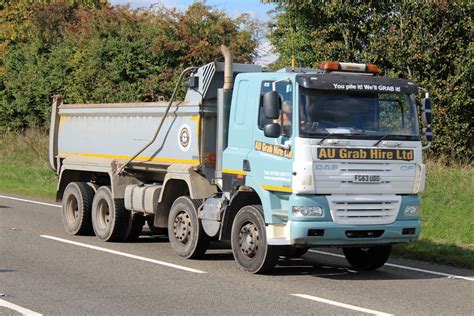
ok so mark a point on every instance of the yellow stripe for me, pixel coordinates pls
(62, 119)
(196, 119)
(234, 171)
(276, 188)
(139, 158)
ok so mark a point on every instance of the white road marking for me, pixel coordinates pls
(19, 309)
(311, 250)
(124, 254)
(28, 201)
(343, 305)
(452, 276)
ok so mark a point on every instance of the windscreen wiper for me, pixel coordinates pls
(390, 135)
(327, 135)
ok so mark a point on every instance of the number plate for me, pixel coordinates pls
(366, 178)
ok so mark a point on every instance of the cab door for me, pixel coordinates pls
(240, 127)
(270, 161)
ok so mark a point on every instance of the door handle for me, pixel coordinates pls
(246, 165)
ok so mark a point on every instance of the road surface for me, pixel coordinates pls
(44, 270)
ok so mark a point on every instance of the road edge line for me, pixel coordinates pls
(18, 308)
(124, 254)
(343, 305)
(28, 201)
(453, 276)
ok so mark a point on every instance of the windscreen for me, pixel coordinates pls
(357, 115)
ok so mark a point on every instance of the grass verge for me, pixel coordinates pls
(447, 217)
(447, 211)
(24, 166)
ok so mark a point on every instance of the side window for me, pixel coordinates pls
(285, 90)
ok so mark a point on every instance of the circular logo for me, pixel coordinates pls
(184, 137)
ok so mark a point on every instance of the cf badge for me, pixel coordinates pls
(184, 137)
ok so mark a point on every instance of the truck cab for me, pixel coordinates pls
(334, 155)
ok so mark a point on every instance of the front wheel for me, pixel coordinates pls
(367, 258)
(185, 232)
(249, 241)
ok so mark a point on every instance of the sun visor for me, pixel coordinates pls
(354, 83)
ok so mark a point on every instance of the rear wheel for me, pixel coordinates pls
(133, 226)
(249, 241)
(76, 207)
(367, 258)
(185, 232)
(108, 216)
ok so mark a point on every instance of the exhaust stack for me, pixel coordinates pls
(224, 97)
(228, 72)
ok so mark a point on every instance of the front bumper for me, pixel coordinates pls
(301, 233)
(337, 234)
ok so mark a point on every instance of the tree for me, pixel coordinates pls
(426, 41)
(89, 51)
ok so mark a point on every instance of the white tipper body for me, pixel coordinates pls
(351, 202)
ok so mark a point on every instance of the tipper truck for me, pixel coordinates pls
(273, 162)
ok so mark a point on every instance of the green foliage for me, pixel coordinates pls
(447, 205)
(427, 41)
(90, 52)
(447, 232)
(24, 164)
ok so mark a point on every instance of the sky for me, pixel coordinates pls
(234, 8)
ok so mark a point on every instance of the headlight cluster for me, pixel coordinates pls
(411, 211)
(307, 211)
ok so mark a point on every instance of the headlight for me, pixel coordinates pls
(307, 211)
(411, 211)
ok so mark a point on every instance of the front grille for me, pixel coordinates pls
(364, 209)
(379, 168)
(339, 177)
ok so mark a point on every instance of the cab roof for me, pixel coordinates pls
(342, 82)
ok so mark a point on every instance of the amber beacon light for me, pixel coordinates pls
(330, 66)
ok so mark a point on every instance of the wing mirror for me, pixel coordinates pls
(427, 118)
(426, 111)
(272, 130)
(428, 134)
(271, 105)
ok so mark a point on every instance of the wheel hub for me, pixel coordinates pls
(72, 209)
(248, 240)
(104, 214)
(182, 227)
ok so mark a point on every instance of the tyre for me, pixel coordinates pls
(369, 258)
(133, 226)
(185, 232)
(249, 241)
(295, 252)
(76, 207)
(108, 216)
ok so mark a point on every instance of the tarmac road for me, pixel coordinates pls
(44, 270)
